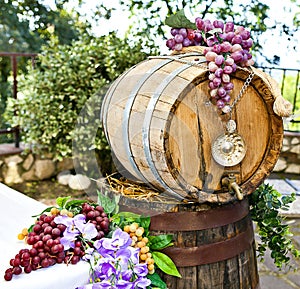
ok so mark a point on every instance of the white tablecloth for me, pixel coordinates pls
(16, 210)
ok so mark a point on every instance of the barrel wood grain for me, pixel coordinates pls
(160, 126)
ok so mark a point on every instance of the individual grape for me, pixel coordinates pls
(229, 36)
(186, 42)
(37, 228)
(150, 267)
(219, 60)
(218, 24)
(227, 69)
(54, 211)
(178, 46)
(219, 72)
(178, 38)
(245, 34)
(144, 250)
(217, 82)
(225, 46)
(236, 48)
(228, 86)
(217, 48)
(183, 32)
(212, 66)
(190, 34)
(225, 78)
(247, 43)
(211, 85)
(8, 276)
(237, 39)
(220, 103)
(28, 269)
(214, 93)
(198, 37)
(17, 270)
(221, 92)
(45, 263)
(75, 260)
(211, 41)
(229, 27)
(139, 231)
(229, 61)
(174, 31)
(211, 56)
(208, 25)
(199, 23)
(237, 56)
(226, 98)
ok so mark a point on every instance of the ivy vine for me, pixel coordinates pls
(275, 235)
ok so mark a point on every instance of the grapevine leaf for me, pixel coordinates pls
(165, 264)
(160, 242)
(61, 201)
(179, 20)
(157, 281)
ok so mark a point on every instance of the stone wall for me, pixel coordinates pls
(289, 159)
(18, 167)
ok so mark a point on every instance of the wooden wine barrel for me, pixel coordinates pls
(213, 249)
(160, 126)
(214, 245)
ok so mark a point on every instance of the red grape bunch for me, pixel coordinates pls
(226, 45)
(44, 240)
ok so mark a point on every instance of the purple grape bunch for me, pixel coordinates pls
(226, 45)
(50, 242)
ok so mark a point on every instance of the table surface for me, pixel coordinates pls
(16, 211)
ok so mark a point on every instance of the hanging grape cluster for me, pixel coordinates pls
(226, 46)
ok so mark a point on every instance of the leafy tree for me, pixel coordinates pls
(25, 26)
(147, 17)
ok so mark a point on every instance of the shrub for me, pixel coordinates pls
(54, 93)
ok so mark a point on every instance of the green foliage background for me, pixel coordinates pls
(55, 92)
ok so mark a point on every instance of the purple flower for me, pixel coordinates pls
(123, 284)
(115, 264)
(142, 282)
(140, 270)
(119, 240)
(74, 227)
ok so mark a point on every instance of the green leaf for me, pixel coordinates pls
(75, 203)
(179, 20)
(61, 201)
(165, 263)
(108, 205)
(126, 215)
(145, 223)
(160, 242)
(157, 281)
(44, 211)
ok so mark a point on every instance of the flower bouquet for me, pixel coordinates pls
(118, 246)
